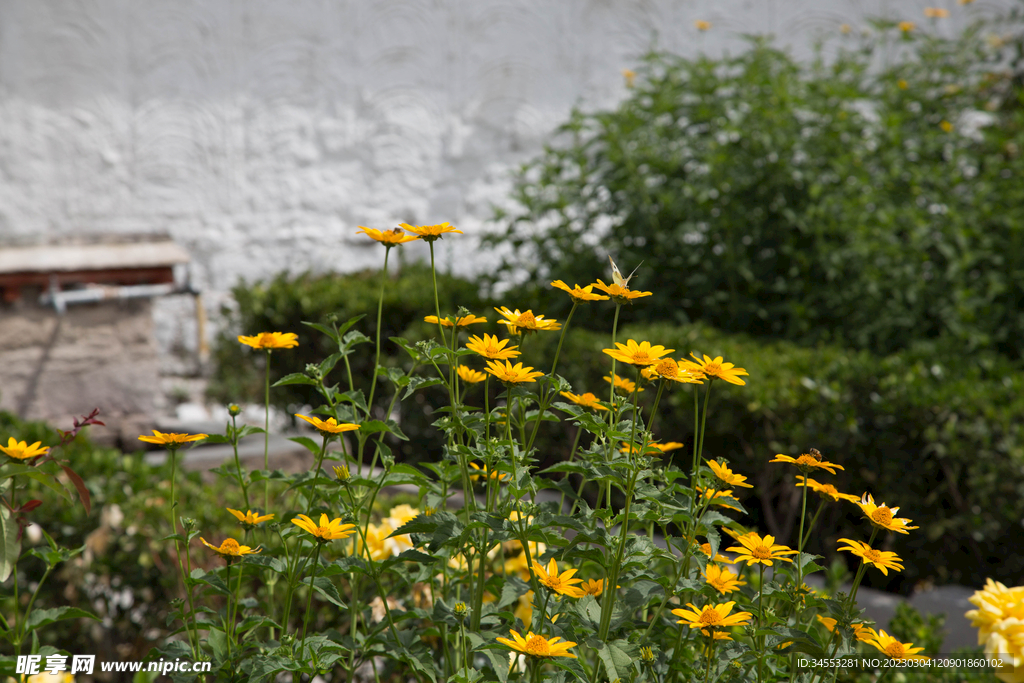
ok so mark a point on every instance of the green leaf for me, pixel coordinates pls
(10, 544)
(499, 660)
(616, 658)
(311, 446)
(294, 378)
(43, 617)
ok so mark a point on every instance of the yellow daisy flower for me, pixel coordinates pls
(719, 557)
(271, 340)
(714, 494)
(702, 25)
(527, 322)
(642, 354)
(538, 646)
(481, 472)
(808, 462)
(728, 476)
(389, 238)
(995, 602)
(670, 369)
(330, 426)
(250, 518)
(492, 347)
(230, 548)
(712, 618)
(559, 583)
(906, 26)
(464, 321)
(623, 385)
(327, 530)
(716, 369)
(592, 587)
(579, 294)
(172, 441)
(892, 647)
(512, 374)
(882, 559)
(622, 295)
(471, 376)
(722, 580)
(20, 450)
(754, 549)
(883, 516)
(429, 233)
(825, 490)
(587, 400)
(936, 12)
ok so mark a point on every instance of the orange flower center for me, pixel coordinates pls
(710, 617)
(895, 650)
(872, 555)
(641, 358)
(323, 531)
(713, 369)
(526, 320)
(762, 552)
(230, 546)
(882, 516)
(829, 489)
(538, 645)
(666, 367)
(806, 460)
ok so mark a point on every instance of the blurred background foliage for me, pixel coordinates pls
(850, 230)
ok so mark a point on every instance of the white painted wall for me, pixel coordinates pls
(260, 133)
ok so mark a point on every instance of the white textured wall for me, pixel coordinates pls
(260, 133)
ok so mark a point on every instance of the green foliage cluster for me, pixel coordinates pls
(871, 199)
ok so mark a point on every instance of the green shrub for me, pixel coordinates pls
(855, 201)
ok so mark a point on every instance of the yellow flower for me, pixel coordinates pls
(860, 630)
(727, 475)
(592, 587)
(827, 622)
(271, 340)
(712, 618)
(518, 565)
(882, 559)
(49, 677)
(808, 462)
(470, 375)
(341, 473)
(702, 25)
(538, 646)
(464, 321)
(172, 441)
(621, 294)
(936, 12)
(995, 602)
(230, 548)
(713, 494)
(716, 369)
(1006, 643)
(327, 530)
(754, 549)
(668, 368)
(667, 446)
(483, 472)
(389, 238)
(559, 583)
(825, 490)
(528, 322)
(883, 516)
(906, 26)
(706, 549)
(579, 294)
(587, 400)
(20, 450)
(722, 580)
(660, 447)
(376, 546)
(623, 385)
(642, 354)
(250, 518)
(845, 29)
(630, 77)
(329, 426)
(902, 84)
(512, 374)
(946, 126)
(429, 233)
(491, 347)
(892, 647)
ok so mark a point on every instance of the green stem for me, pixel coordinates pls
(316, 471)
(437, 306)
(800, 538)
(228, 630)
(760, 621)
(615, 332)
(380, 311)
(266, 435)
(309, 600)
(238, 463)
(572, 454)
(814, 520)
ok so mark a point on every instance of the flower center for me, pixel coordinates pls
(710, 617)
(666, 367)
(712, 369)
(761, 552)
(895, 650)
(641, 358)
(323, 531)
(806, 460)
(538, 645)
(872, 555)
(830, 489)
(883, 516)
(526, 320)
(229, 545)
